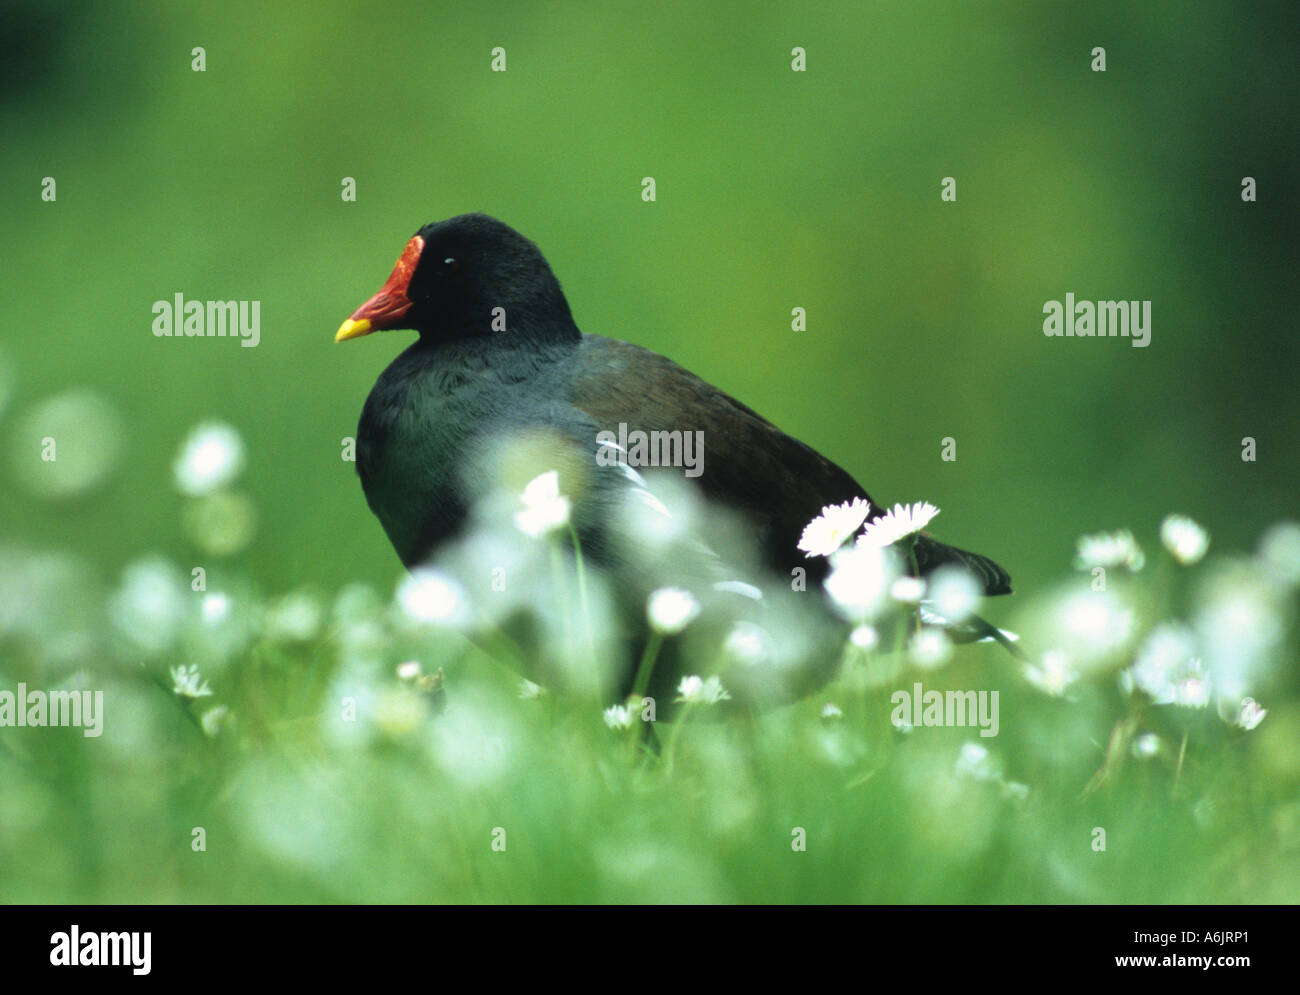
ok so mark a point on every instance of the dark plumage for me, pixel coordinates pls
(461, 382)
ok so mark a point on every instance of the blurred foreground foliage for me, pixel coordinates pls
(359, 747)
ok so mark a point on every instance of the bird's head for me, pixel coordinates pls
(467, 276)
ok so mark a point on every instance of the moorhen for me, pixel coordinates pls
(499, 353)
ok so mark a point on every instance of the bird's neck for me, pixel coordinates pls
(525, 340)
(537, 320)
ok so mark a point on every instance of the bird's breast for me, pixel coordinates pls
(414, 432)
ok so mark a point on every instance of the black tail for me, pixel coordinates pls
(932, 554)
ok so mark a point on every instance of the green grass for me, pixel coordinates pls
(316, 774)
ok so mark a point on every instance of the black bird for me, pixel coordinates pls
(499, 352)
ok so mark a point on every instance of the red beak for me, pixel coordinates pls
(386, 308)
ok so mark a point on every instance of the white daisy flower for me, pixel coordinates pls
(829, 530)
(907, 590)
(671, 609)
(545, 508)
(1163, 653)
(1146, 745)
(859, 579)
(148, 608)
(864, 637)
(1109, 550)
(1240, 620)
(974, 761)
(188, 683)
(1251, 714)
(1185, 540)
(1166, 675)
(699, 691)
(297, 617)
(899, 522)
(1093, 624)
(745, 642)
(619, 717)
(930, 647)
(1053, 674)
(430, 596)
(953, 593)
(1192, 685)
(211, 457)
(215, 607)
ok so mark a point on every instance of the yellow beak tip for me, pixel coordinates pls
(351, 329)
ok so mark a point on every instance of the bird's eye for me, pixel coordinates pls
(449, 266)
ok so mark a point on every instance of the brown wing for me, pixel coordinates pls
(749, 464)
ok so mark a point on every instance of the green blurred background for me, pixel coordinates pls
(776, 190)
